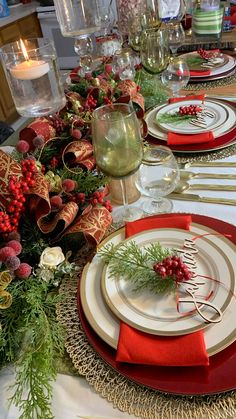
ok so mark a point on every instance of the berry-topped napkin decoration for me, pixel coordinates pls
(193, 114)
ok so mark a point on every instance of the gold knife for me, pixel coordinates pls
(198, 198)
(208, 164)
(210, 187)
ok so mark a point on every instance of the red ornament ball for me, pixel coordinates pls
(12, 263)
(16, 246)
(69, 185)
(22, 146)
(6, 252)
(23, 271)
(76, 133)
(56, 202)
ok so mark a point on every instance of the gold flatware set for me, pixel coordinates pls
(183, 186)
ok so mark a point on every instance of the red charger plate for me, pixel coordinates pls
(218, 377)
(223, 141)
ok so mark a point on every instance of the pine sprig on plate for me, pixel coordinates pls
(173, 118)
(134, 264)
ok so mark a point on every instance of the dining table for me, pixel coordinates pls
(91, 389)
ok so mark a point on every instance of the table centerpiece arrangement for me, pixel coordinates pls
(53, 201)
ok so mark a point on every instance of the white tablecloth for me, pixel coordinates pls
(73, 398)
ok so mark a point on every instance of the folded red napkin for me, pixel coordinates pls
(194, 73)
(177, 139)
(137, 347)
(190, 97)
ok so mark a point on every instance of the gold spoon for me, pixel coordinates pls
(185, 175)
(207, 164)
(184, 186)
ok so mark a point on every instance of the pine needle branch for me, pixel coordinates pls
(135, 264)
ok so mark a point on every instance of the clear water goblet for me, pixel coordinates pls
(176, 36)
(176, 76)
(158, 176)
(118, 149)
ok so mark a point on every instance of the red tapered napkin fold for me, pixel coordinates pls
(137, 347)
(190, 97)
(178, 139)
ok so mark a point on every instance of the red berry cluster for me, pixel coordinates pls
(58, 123)
(98, 198)
(54, 162)
(173, 266)
(190, 110)
(90, 103)
(107, 101)
(203, 53)
(78, 197)
(17, 187)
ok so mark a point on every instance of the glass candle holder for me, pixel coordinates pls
(33, 76)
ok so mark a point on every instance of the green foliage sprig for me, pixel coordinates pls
(173, 118)
(32, 338)
(135, 264)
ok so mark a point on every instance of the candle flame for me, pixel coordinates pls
(24, 50)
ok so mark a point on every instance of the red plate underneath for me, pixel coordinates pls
(223, 141)
(217, 378)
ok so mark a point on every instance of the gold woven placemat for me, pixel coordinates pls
(206, 156)
(123, 393)
(206, 85)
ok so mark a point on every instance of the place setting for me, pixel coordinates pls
(193, 124)
(129, 324)
(209, 65)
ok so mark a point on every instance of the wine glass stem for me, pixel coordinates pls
(124, 197)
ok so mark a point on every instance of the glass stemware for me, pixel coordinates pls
(118, 148)
(176, 36)
(154, 51)
(157, 177)
(122, 64)
(176, 76)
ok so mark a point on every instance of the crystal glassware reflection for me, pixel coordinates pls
(118, 148)
(154, 51)
(176, 76)
(123, 65)
(33, 76)
(176, 36)
(157, 177)
(83, 46)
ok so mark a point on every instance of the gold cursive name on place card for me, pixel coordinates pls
(191, 287)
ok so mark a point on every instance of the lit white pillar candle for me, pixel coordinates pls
(29, 69)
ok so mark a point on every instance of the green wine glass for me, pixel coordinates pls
(118, 149)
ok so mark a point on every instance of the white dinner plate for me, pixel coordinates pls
(218, 71)
(106, 324)
(155, 131)
(219, 112)
(158, 314)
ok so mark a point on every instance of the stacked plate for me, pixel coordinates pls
(221, 123)
(104, 301)
(220, 70)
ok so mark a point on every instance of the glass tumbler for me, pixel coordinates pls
(33, 76)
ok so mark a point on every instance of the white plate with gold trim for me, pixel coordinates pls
(157, 314)
(157, 132)
(106, 324)
(219, 116)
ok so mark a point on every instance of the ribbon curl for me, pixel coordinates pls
(5, 296)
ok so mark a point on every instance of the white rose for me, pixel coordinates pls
(51, 257)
